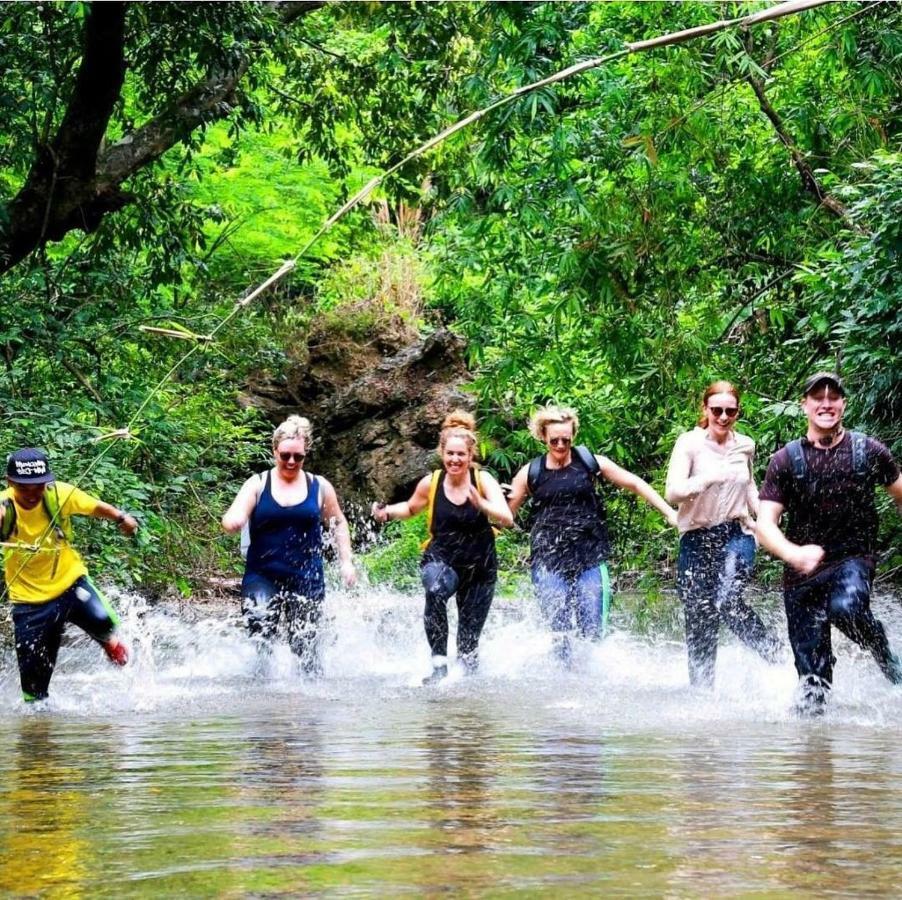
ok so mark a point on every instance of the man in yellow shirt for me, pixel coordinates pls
(46, 579)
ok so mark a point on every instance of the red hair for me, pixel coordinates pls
(717, 387)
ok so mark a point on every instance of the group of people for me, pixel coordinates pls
(824, 483)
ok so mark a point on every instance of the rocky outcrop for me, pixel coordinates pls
(376, 413)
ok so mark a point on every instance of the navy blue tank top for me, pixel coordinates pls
(569, 532)
(287, 541)
(461, 535)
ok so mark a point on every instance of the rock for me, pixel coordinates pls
(376, 415)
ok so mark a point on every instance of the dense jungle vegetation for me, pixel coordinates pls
(731, 207)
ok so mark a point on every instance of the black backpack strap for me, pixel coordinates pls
(532, 476)
(797, 459)
(859, 453)
(587, 458)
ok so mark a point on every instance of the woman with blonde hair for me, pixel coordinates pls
(284, 509)
(710, 478)
(569, 539)
(461, 501)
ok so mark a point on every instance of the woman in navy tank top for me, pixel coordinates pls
(459, 556)
(284, 510)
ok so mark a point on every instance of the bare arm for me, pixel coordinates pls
(895, 491)
(519, 491)
(492, 501)
(127, 524)
(418, 501)
(242, 506)
(803, 558)
(624, 479)
(334, 518)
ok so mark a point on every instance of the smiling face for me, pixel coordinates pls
(289, 456)
(456, 455)
(720, 413)
(824, 407)
(558, 440)
(28, 496)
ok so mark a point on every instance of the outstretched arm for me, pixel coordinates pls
(895, 491)
(418, 501)
(128, 525)
(334, 518)
(624, 479)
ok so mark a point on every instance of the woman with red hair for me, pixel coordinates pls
(710, 479)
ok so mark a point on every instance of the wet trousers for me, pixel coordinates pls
(474, 588)
(266, 601)
(39, 631)
(713, 569)
(841, 596)
(579, 602)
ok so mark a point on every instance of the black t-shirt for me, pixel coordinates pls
(568, 531)
(462, 536)
(831, 506)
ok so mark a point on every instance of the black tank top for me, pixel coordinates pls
(461, 535)
(569, 531)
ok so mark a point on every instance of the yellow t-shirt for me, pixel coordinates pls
(42, 576)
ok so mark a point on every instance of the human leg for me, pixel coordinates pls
(302, 619)
(261, 604)
(850, 610)
(38, 629)
(474, 599)
(440, 582)
(94, 614)
(808, 625)
(736, 571)
(591, 595)
(553, 591)
(694, 587)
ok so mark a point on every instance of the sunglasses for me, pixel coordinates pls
(560, 442)
(293, 457)
(729, 411)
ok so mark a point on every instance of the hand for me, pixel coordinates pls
(671, 518)
(380, 513)
(807, 558)
(722, 473)
(128, 525)
(348, 574)
(475, 497)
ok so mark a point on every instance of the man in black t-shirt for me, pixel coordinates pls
(825, 483)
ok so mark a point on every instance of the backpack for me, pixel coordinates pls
(583, 454)
(799, 466)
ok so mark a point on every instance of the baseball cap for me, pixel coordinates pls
(819, 378)
(28, 466)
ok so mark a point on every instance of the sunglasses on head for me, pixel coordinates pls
(560, 441)
(293, 457)
(729, 411)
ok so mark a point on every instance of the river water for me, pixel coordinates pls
(206, 769)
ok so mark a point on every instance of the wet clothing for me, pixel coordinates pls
(568, 521)
(837, 596)
(460, 560)
(832, 504)
(39, 577)
(569, 546)
(284, 576)
(713, 569)
(706, 505)
(39, 631)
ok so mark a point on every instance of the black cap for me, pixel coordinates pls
(28, 466)
(819, 378)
